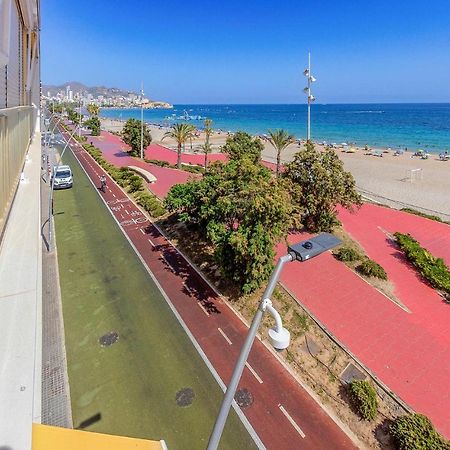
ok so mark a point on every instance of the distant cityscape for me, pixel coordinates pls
(75, 92)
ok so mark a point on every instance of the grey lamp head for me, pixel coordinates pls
(312, 247)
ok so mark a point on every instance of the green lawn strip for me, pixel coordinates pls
(133, 383)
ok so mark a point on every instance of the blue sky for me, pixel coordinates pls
(252, 51)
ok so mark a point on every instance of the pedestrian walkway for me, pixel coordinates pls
(56, 408)
(21, 310)
(409, 352)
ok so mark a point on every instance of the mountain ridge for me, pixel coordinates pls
(80, 88)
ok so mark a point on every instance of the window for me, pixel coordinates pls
(5, 24)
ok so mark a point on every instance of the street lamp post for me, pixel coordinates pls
(279, 337)
(307, 91)
(142, 120)
(79, 121)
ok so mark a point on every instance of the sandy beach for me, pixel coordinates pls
(387, 179)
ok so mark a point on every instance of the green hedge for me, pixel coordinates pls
(421, 214)
(371, 268)
(363, 397)
(416, 432)
(347, 254)
(431, 268)
(186, 168)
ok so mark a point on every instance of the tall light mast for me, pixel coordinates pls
(307, 91)
(142, 120)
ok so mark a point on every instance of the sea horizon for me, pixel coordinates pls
(382, 125)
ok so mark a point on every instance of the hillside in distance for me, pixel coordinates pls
(80, 88)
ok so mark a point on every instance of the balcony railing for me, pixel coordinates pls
(16, 128)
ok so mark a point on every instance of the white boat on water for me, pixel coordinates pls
(185, 116)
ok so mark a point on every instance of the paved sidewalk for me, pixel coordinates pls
(20, 310)
(56, 407)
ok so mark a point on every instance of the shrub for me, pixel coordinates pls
(363, 397)
(158, 162)
(416, 432)
(150, 203)
(431, 268)
(192, 169)
(371, 268)
(135, 183)
(347, 254)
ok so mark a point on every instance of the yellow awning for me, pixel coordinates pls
(46, 437)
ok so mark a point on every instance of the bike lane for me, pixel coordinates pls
(281, 412)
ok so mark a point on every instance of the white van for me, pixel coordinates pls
(62, 177)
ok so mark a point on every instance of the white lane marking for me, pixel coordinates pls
(252, 370)
(225, 336)
(127, 212)
(293, 423)
(114, 195)
(142, 231)
(151, 242)
(203, 308)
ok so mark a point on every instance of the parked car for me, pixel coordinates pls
(62, 177)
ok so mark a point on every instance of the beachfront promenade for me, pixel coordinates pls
(408, 351)
(278, 400)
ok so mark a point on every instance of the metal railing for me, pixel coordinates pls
(16, 129)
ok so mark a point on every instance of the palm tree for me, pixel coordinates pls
(93, 109)
(181, 132)
(206, 146)
(280, 139)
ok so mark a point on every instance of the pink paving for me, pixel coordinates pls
(114, 151)
(155, 151)
(409, 352)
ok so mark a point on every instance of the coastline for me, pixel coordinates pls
(399, 126)
(390, 180)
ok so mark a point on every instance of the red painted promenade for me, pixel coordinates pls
(283, 415)
(410, 352)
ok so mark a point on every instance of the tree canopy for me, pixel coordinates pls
(131, 135)
(93, 124)
(243, 145)
(93, 109)
(241, 209)
(318, 183)
(181, 132)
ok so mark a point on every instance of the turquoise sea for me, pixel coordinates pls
(414, 126)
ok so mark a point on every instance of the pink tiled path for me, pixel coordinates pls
(410, 352)
(114, 151)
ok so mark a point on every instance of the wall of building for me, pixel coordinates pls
(19, 92)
